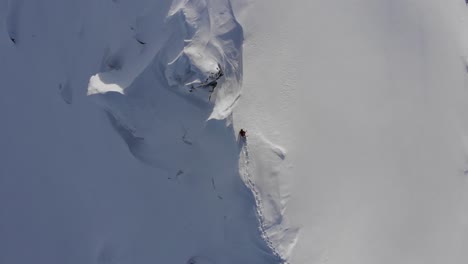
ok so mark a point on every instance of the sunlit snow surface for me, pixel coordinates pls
(119, 139)
(369, 100)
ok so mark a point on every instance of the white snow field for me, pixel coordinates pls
(368, 98)
(120, 119)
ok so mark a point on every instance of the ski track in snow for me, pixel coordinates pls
(269, 195)
(249, 182)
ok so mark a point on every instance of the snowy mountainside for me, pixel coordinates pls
(136, 168)
(120, 128)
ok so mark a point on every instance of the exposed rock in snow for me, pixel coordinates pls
(200, 260)
(66, 92)
(13, 17)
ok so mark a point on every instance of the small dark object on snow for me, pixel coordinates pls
(212, 85)
(13, 40)
(141, 42)
(242, 133)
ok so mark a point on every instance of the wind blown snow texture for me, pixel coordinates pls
(369, 100)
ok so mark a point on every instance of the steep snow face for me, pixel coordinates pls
(368, 100)
(70, 189)
(201, 42)
(197, 69)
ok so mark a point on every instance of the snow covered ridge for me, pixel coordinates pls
(193, 61)
(161, 94)
(212, 46)
(202, 45)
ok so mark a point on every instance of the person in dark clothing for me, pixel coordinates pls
(243, 133)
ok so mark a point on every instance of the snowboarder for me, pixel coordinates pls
(243, 133)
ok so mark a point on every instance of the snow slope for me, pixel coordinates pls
(107, 157)
(368, 98)
(120, 119)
